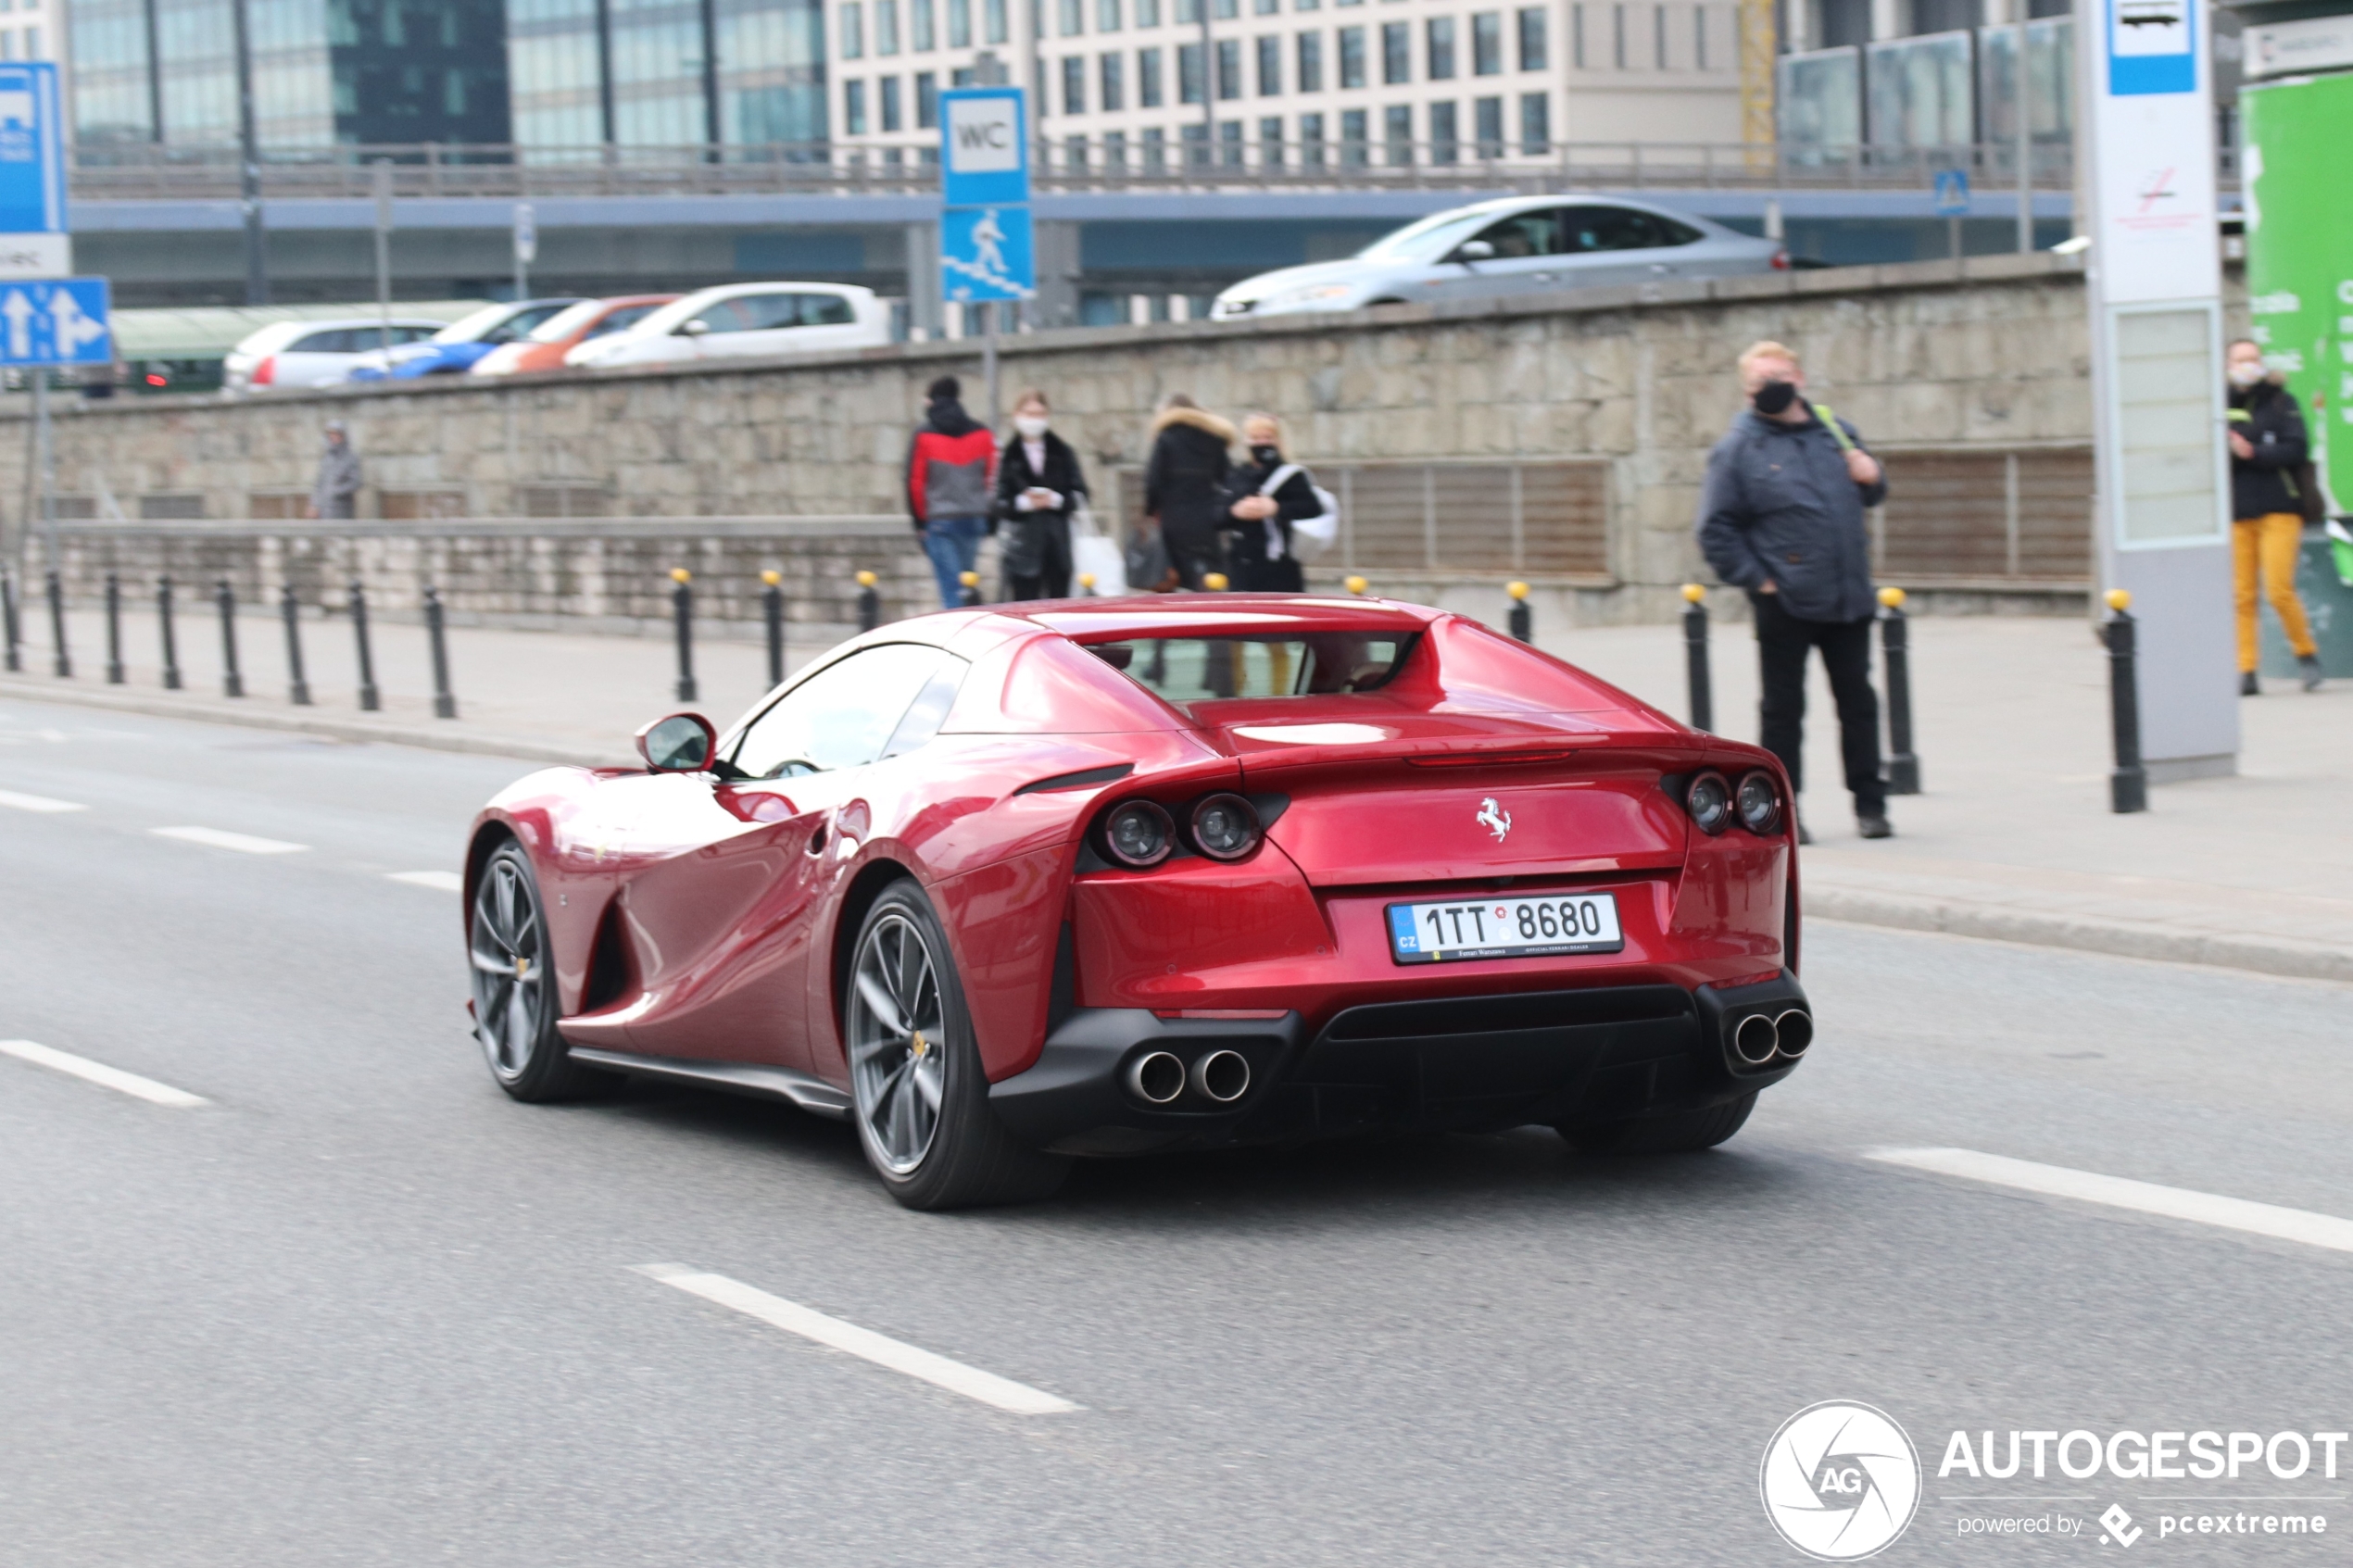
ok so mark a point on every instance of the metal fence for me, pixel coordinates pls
(136, 172)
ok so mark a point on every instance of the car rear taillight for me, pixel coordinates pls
(265, 372)
(1781, 261)
(1138, 833)
(1709, 800)
(1224, 827)
(1758, 803)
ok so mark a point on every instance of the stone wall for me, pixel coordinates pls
(1988, 356)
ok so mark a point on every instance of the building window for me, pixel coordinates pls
(1699, 37)
(1229, 143)
(926, 101)
(1074, 18)
(1106, 15)
(1352, 57)
(959, 24)
(1617, 37)
(996, 23)
(1075, 152)
(891, 119)
(1155, 151)
(1268, 7)
(1196, 146)
(1113, 90)
(1487, 117)
(854, 32)
(1445, 144)
(1311, 141)
(853, 108)
(1187, 12)
(885, 27)
(1355, 139)
(1229, 67)
(1440, 45)
(1311, 62)
(1396, 53)
(1192, 76)
(1397, 130)
(1270, 67)
(1658, 37)
(1227, 11)
(922, 36)
(1487, 43)
(1576, 35)
(1075, 85)
(1270, 142)
(1535, 123)
(1115, 149)
(1533, 54)
(1148, 78)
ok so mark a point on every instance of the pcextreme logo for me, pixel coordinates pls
(1840, 1481)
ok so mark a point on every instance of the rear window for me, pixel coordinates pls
(1206, 669)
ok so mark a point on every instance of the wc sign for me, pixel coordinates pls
(984, 147)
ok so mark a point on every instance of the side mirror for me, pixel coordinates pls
(695, 328)
(1474, 250)
(683, 743)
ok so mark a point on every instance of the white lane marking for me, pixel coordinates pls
(444, 881)
(100, 1073)
(37, 802)
(1019, 1399)
(2118, 1192)
(221, 838)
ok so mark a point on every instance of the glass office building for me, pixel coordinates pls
(548, 75)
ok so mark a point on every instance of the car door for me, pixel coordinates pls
(721, 913)
(1618, 244)
(1525, 256)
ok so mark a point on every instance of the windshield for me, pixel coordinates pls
(1433, 235)
(1203, 669)
(466, 329)
(565, 322)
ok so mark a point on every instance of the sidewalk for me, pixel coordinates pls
(2013, 839)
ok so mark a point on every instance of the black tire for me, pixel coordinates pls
(909, 1038)
(1683, 1132)
(514, 985)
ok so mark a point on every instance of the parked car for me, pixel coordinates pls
(1113, 876)
(745, 319)
(1521, 244)
(457, 346)
(314, 352)
(543, 347)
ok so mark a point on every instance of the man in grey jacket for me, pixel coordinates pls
(1781, 516)
(335, 493)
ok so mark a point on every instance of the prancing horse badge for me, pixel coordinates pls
(1493, 816)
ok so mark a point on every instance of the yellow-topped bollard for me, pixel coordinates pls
(971, 580)
(772, 577)
(1516, 590)
(1693, 593)
(869, 602)
(1891, 597)
(681, 609)
(1523, 618)
(1216, 583)
(680, 575)
(1086, 584)
(1895, 652)
(771, 612)
(2118, 598)
(866, 579)
(1356, 585)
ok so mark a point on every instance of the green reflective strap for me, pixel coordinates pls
(1830, 422)
(2241, 416)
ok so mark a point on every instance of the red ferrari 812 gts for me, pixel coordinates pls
(1001, 886)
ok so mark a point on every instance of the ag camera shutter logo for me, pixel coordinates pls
(1840, 1481)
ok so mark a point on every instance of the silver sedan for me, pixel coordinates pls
(1519, 246)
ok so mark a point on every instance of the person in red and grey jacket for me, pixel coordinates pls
(951, 477)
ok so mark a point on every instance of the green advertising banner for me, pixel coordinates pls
(2299, 254)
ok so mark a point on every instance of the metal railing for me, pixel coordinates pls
(160, 171)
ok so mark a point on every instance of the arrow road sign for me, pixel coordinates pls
(985, 253)
(62, 323)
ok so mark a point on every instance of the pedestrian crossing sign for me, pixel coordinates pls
(986, 253)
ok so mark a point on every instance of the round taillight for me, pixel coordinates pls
(1709, 800)
(1138, 833)
(1225, 827)
(1759, 803)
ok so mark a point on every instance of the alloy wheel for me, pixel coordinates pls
(898, 1043)
(509, 970)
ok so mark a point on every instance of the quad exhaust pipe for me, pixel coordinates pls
(1156, 1077)
(1759, 1037)
(1160, 1077)
(1224, 1076)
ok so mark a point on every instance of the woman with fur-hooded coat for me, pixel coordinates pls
(1185, 486)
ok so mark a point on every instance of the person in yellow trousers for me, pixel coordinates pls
(2267, 451)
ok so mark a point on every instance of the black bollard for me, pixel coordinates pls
(869, 603)
(682, 610)
(772, 609)
(63, 663)
(2128, 787)
(14, 633)
(1523, 619)
(1896, 641)
(170, 643)
(114, 630)
(233, 684)
(297, 688)
(970, 597)
(444, 703)
(1695, 652)
(370, 700)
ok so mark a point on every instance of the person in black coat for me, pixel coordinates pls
(1258, 525)
(1038, 483)
(1185, 486)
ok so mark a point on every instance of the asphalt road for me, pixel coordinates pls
(360, 1308)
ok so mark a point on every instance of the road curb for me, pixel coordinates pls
(320, 725)
(2298, 961)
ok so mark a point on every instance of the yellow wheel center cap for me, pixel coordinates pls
(522, 967)
(917, 1044)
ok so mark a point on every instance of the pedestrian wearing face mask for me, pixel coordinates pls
(1038, 482)
(1781, 516)
(2267, 453)
(1259, 518)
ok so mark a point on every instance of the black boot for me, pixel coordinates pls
(2248, 687)
(1874, 824)
(2308, 665)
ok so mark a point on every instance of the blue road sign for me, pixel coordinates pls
(59, 322)
(1952, 192)
(32, 176)
(985, 253)
(983, 146)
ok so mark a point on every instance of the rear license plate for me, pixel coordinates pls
(1505, 928)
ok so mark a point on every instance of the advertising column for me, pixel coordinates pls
(2154, 283)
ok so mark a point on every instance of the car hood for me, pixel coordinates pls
(1267, 284)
